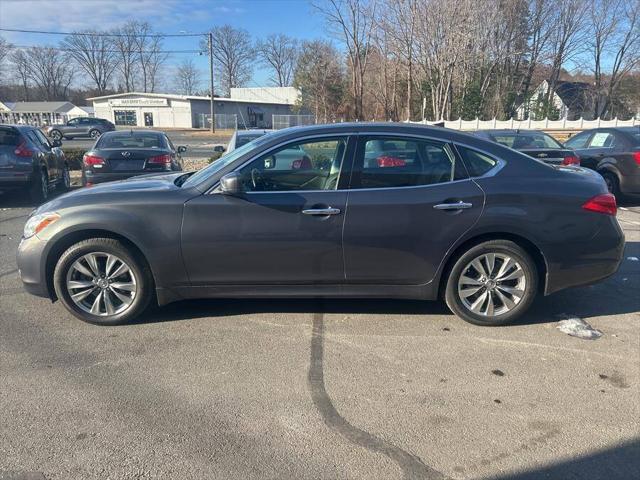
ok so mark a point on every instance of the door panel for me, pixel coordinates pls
(264, 238)
(397, 236)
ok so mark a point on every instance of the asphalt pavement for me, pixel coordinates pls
(320, 389)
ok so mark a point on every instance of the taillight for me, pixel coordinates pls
(636, 157)
(22, 150)
(160, 160)
(571, 160)
(387, 161)
(92, 160)
(605, 203)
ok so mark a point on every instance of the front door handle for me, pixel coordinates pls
(321, 211)
(453, 206)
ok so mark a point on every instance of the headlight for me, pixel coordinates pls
(39, 222)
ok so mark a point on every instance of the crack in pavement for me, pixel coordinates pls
(411, 465)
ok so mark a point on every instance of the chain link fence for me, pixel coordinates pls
(286, 121)
(224, 121)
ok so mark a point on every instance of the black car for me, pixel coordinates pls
(81, 127)
(534, 143)
(123, 154)
(28, 160)
(614, 153)
(487, 233)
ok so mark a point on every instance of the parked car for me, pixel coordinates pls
(28, 160)
(614, 153)
(81, 127)
(241, 137)
(123, 154)
(489, 236)
(534, 143)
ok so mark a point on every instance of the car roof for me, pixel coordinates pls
(242, 133)
(513, 131)
(18, 127)
(134, 132)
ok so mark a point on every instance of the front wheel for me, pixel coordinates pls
(493, 283)
(103, 282)
(56, 134)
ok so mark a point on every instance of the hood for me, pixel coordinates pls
(103, 193)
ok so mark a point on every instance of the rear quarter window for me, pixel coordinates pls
(477, 163)
(9, 137)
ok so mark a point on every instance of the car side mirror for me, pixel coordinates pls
(182, 149)
(56, 143)
(219, 149)
(231, 184)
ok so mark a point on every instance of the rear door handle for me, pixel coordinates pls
(321, 211)
(453, 206)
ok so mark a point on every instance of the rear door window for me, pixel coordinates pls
(388, 162)
(602, 140)
(578, 141)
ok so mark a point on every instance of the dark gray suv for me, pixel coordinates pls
(361, 210)
(81, 127)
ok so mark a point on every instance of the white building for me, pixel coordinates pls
(572, 100)
(189, 111)
(40, 113)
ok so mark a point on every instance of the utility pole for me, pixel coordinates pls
(213, 117)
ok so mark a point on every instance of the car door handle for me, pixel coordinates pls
(321, 211)
(453, 206)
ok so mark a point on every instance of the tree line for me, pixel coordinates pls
(382, 59)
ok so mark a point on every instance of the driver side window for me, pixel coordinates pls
(73, 123)
(310, 165)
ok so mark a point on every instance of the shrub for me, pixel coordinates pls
(214, 157)
(74, 157)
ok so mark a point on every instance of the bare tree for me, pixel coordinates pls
(233, 54)
(125, 45)
(187, 77)
(22, 71)
(150, 57)
(95, 55)
(615, 33)
(280, 53)
(51, 70)
(320, 78)
(352, 22)
(5, 48)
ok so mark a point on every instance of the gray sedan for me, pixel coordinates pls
(347, 210)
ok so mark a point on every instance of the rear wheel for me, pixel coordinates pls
(65, 181)
(94, 133)
(39, 190)
(101, 281)
(613, 184)
(493, 283)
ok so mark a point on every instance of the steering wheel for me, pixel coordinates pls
(257, 178)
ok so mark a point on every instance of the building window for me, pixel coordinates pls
(125, 117)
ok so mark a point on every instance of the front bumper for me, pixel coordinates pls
(31, 259)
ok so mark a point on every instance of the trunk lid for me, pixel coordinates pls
(554, 156)
(117, 160)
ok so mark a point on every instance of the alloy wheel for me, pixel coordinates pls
(44, 184)
(492, 284)
(95, 134)
(101, 284)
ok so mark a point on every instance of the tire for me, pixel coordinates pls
(39, 190)
(94, 133)
(135, 283)
(503, 300)
(65, 182)
(56, 134)
(613, 184)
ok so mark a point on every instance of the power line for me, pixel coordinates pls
(60, 49)
(98, 34)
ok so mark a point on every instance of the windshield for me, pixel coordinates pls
(244, 139)
(131, 140)
(222, 162)
(526, 140)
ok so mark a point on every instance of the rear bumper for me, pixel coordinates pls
(16, 178)
(630, 184)
(588, 262)
(95, 178)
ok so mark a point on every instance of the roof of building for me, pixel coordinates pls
(573, 94)
(182, 97)
(38, 107)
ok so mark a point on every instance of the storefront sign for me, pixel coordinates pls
(138, 102)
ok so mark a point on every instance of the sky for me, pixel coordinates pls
(260, 18)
